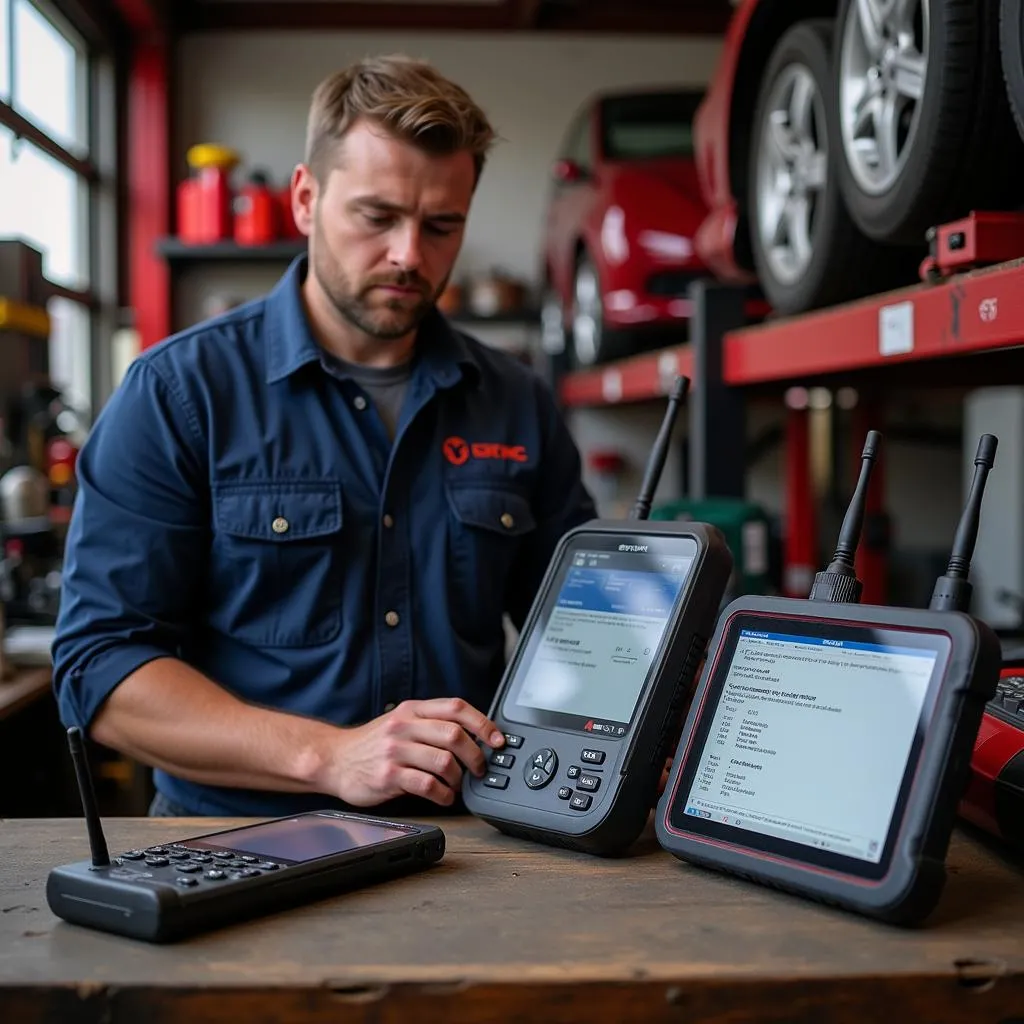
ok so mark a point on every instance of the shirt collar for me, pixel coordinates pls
(442, 351)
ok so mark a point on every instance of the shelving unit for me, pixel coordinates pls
(182, 253)
(979, 313)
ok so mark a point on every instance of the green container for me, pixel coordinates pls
(747, 532)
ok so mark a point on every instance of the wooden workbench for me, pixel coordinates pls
(504, 931)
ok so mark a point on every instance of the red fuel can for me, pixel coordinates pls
(204, 201)
(257, 212)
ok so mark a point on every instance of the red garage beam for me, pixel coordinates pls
(149, 183)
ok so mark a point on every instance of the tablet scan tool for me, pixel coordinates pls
(828, 743)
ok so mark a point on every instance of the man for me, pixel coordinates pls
(299, 525)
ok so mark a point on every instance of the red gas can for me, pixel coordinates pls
(204, 200)
(257, 212)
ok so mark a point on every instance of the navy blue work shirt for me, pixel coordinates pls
(242, 507)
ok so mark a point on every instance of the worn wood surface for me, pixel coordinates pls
(506, 931)
(25, 686)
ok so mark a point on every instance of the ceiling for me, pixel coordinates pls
(679, 17)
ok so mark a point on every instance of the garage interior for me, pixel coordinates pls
(810, 209)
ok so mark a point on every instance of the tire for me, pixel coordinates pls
(833, 262)
(591, 341)
(954, 147)
(1011, 49)
(552, 360)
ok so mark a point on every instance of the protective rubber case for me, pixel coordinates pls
(632, 766)
(913, 882)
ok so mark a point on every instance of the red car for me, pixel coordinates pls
(835, 133)
(618, 250)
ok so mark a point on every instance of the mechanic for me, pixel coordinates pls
(299, 525)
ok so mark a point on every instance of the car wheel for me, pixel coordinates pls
(553, 336)
(587, 329)
(1011, 48)
(923, 116)
(806, 250)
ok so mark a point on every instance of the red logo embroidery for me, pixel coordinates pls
(457, 451)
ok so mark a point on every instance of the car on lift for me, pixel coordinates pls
(618, 252)
(836, 133)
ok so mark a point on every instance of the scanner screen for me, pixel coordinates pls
(302, 838)
(811, 739)
(599, 636)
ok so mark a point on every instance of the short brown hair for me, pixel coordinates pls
(409, 98)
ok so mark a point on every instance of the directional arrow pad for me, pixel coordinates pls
(541, 768)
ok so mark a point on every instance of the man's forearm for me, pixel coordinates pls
(169, 716)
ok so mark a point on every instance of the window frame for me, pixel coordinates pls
(98, 170)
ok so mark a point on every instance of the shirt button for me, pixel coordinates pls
(359, 402)
(388, 521)
(391, 618)
(279, 525)
(507, 521)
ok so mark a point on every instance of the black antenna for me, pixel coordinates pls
(839, 581)
(953, 590)
(97, 844)
(656, 463)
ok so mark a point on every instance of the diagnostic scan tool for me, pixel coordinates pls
(828, 743)
(171, 890)
(594, 693)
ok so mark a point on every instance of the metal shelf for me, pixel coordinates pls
(976, 313)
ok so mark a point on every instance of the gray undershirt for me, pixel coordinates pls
(386, 386)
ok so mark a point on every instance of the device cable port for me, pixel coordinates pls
(839, 582)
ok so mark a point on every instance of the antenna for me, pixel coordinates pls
(953, 590)
(839, 582)
(97, 844)
(655, 464)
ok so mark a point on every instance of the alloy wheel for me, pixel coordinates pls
(791, 172)
(587, 316)
(883, 65)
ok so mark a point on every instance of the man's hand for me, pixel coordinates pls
(419, 748)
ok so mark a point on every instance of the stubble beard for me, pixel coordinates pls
(390, 320)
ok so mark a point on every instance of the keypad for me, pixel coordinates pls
(541, 766)
(187, 868)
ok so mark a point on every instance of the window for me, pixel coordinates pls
(647, 126)
(48, 175)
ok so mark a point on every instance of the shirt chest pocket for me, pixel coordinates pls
(486, 527)
(278, 562)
